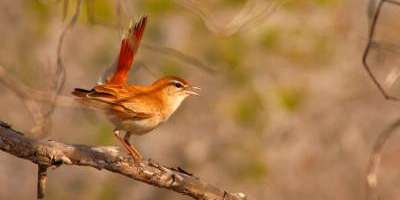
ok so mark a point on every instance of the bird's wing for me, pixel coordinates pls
(118, 73)
(107, 97)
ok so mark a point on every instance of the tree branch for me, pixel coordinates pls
(54, 154)
(375, 159)
(374, 10)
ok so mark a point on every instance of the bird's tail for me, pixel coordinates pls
(80, 92)
(129, 47)
(84, 97)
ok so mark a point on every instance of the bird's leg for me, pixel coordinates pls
(131, 147)
(133, 152)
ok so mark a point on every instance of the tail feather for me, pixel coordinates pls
(129, 47)
(85, 99)
(81, 92)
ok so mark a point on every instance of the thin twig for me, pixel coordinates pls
(180, 56)
(52, 153)
(60, 71)
(370, 43)
(375, 158)
(40, 114)
(27, 96)
(250, 12)
(60, 76)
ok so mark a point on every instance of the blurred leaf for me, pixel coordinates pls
(270, 38)
(239, 76)
(158, 6)
(232, 50)
(254, 170)
(290, 98)
(248, 109)
(108, 191)
(300, 5)
(326, 2)
(42, 17)
(104, 134)
(171, 69)
(234, 2)
(100, 11)
(40, 9)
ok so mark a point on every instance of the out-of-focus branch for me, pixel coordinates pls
(375, 158)
(52, 153)
(167, 51)
(41, 104)
(60, 76)
(26, 95)
(374, 10)
(251, 12)
(32, 97)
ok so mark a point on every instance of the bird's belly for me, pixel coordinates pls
(138, 127)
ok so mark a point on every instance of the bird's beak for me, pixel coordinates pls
(190, 90)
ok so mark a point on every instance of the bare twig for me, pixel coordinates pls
(52, 153)
(32, 97)
(60, 71)
(375, 158)
(180, 56)
(39, 112)
(374, 11)
(251, 12)
(26, 95)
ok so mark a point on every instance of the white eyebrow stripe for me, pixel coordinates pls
(179, 82)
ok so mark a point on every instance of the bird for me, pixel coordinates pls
(132, 108)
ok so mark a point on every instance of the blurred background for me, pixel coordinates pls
(286, 110)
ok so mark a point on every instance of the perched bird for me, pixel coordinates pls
(135, 109)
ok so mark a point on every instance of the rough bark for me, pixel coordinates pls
(53, 154)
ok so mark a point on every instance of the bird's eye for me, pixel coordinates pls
(178, 85)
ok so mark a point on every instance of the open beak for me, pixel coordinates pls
(190, 90)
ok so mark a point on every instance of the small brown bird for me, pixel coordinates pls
(133, 108)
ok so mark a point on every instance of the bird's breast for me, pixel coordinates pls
(138, 127)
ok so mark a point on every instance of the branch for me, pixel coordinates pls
(54, 154)
(251, 12)
(375, 158)
(374, 10)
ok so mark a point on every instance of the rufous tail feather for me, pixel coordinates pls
(129, 47)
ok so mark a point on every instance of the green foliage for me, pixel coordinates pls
(100, 10)
(326, 2)
(270, 38)
(231, 50)
(158, 6)
(41, 10)
(104, 135)
(108, 191)
(290, 98)
(247, 109)
(41, 17)
(307, 47)
(234, 2)
(254, 170)
(297, 5)
(170, 68)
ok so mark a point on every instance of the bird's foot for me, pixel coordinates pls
(137, 158)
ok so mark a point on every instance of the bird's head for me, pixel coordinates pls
(174, 91)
